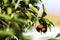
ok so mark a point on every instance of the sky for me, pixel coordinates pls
(52, 5)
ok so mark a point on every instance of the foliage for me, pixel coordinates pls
(56, 38)
(17, 16)
(58, 35)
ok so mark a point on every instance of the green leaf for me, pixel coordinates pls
(36, 22)
(48, 21)
(52, 39)
(15, 15)
(49, 26)
(22, 21)
(44, 11)
(0, 10)
(58, 35)
(28, 14)
(16, 25)
(13, 1)
(9, 10)
(41, 0)
(44, 14)
(5, 5)
(5, 1)
(6, 17)
(29, 25)
(33, 8)
(7, 32)
(26, 1)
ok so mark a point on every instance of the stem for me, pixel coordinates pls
(3, 22)
(17, 4)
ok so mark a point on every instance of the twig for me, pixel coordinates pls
(17, 4)
(3, 22)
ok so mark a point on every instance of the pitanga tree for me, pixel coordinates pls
(17, 16)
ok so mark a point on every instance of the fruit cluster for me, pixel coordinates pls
(41, 28)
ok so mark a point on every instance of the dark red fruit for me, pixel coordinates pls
(44, 30)
(40, 26)
(38, 29)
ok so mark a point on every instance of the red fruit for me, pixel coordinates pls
(44, 30)
(40, 26)
(38, 29)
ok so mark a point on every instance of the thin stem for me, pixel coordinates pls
(3, 22)
(17, 4)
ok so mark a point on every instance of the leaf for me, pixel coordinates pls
(0, 10)
(9, 10)
(33, 8)
(41, 21)
(26, 1)
(28, 26)
(48, 21)
(5, 1)
(52, 39)
(44, 11)
(16, 25)
(7, 32)
(23, 21)
(41, 0)
(15, 15)
(6, 5)
(28, 14)
(44, 14)
(6, 17)
(13, 1)
(36, 22)
(58, 35)
(33, 1)
(49, 26)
